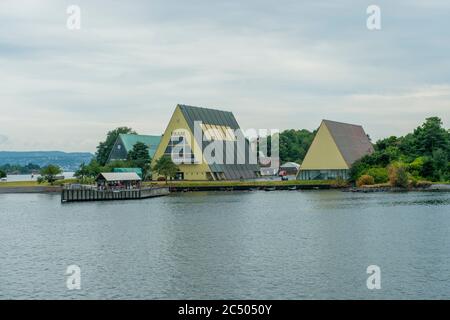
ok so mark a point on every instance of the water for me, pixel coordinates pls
(246, 245)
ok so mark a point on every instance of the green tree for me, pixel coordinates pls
(140, 157)
(416, 166)
(385, 143)
(87, 173)
(427, 169)
(116, 164)
(294, 144)
(2, 174)
(425, 152)
(82, 172)
(94, 168)
(104, 148)
(408, 148)
(165, 167)
(18, 169)
(90, 170)
(440, 164)
(431, 136)
(358, 168)
(139, 152)
(50, 172)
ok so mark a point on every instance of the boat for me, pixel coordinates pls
(270, 189)
(292, 188)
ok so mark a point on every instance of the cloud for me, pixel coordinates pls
(3, 139)
(275, 65)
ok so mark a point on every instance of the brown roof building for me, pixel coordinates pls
(334, 149)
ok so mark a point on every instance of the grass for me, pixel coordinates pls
(186, 184)
(12, 184)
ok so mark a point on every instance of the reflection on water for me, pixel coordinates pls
(241, 245)
(356, 200)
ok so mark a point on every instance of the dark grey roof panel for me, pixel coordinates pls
(221, 118)
(350, 139)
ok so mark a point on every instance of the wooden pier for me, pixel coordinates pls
(88, 193)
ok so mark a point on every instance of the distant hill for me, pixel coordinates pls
(67, 161)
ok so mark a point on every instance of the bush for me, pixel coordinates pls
(58, 182)
(357, 169)
(340, 182)
(50, 172)
(40, 180)
(86, 180)
(412, 181)
(2, 174)
(398, 177)
(365, 180)
(417, 164)
(380, 175)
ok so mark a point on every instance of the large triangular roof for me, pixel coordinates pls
(208, 116)
(336, 146)
(351, 140)
(227, 119)
(185, 116)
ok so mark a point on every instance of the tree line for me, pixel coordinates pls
(138, 157)
(421, 155)
(18, 169)
(48, 173)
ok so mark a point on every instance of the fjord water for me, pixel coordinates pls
(232, 245)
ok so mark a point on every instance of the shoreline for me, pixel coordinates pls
(30, 189)
(228, 186)
(438, 187)
(192, 187)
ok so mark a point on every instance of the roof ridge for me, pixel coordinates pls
(345, 123)
(205, 108)
(140, 135)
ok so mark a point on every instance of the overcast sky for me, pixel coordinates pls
(275, 64)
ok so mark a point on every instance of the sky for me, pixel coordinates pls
(274, 64)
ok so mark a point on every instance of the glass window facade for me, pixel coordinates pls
(323, 174)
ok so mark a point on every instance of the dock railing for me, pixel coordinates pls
(78, 192)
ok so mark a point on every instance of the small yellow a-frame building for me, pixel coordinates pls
(334, 149)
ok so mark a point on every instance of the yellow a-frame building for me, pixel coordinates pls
(216, 125)
(336, 146)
